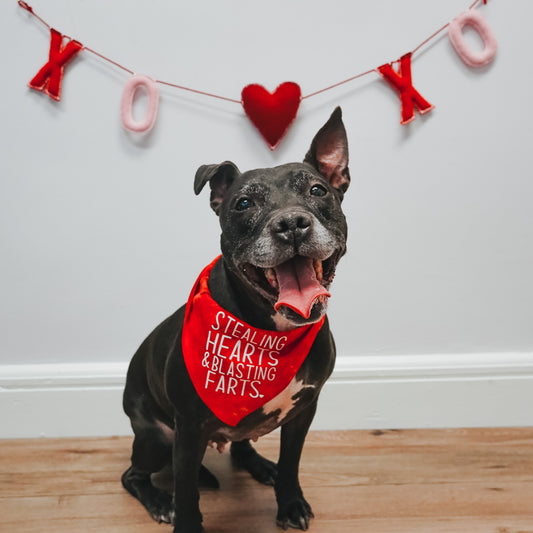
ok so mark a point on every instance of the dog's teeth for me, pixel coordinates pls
(318, 270)
(270, 275)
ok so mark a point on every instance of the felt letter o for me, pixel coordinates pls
(126, 106)
(477, 22)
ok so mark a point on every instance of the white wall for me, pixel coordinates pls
(102, 236)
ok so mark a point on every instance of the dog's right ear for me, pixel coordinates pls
(220, 178)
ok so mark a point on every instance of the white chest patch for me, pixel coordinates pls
(285, 400)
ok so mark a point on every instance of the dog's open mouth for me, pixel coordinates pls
(296, 283)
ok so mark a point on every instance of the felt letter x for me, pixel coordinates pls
(402, 82)
(48, 79)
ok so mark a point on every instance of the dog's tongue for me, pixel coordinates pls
(298, 285)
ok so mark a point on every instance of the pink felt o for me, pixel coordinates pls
(126, 107)
(477, 22)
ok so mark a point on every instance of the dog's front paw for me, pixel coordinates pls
(297, 514)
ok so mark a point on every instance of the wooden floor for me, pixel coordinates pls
(467, 481)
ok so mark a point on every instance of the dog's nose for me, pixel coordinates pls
(291, 227)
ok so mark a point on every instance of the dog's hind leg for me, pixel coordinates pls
(261, 469)
(157, 502)
(150, 454)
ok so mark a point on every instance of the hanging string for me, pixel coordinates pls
(339, 83)
(28, 8)
(433, 35)
(198, 92)
(108, 60)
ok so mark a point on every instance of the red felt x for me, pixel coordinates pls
(48, 79)
(403, 83)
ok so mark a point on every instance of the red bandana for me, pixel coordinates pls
(236, 368)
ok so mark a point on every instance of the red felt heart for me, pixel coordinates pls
(272, 113)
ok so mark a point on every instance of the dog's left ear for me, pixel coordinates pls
(329, 152)
(220, 178)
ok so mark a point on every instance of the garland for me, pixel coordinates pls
(271, 113)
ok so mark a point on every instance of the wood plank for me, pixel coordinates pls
(475, 480)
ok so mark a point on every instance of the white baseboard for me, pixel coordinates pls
(367, 392)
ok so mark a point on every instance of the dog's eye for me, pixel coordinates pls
(243, 203)
(318, 190)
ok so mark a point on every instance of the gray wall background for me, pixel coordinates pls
(102, 237)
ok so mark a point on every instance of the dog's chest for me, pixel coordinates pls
(270, 416)
(283, 404)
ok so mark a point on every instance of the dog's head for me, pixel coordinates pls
(283, 229)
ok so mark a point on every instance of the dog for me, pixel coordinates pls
(260, 356)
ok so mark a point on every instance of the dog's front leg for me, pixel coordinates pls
(188, 451)
(293, 509)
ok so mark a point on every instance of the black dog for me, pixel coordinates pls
(283, 232)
